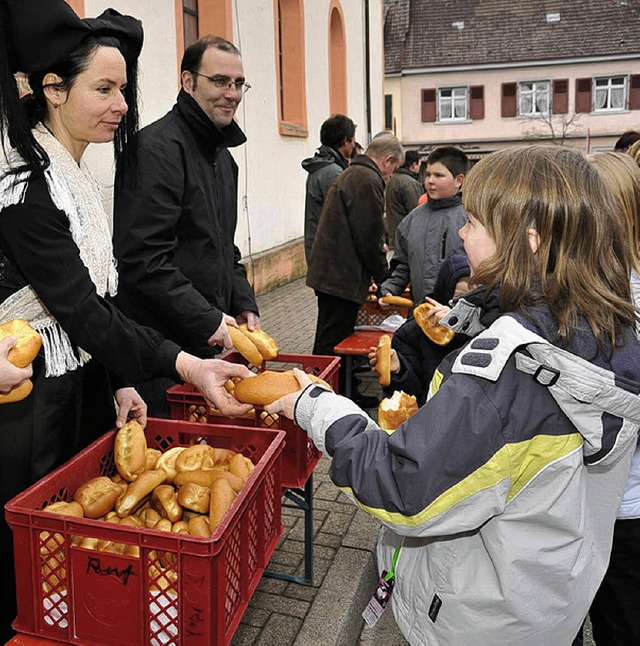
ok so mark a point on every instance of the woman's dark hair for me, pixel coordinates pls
(17, 120)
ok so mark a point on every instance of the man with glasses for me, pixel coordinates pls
(174, 223)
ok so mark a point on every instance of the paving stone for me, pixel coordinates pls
(302, 592)
(330, 540)
(337, 523)
(279, 631)
(246, 635)
(255, 617)
(280, 605)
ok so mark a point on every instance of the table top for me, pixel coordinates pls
(359, 342)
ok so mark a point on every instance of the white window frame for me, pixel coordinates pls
(459, 95)
(532, 93)
(608, 87)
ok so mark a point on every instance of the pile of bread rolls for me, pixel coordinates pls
(184, 490)
(25, 350)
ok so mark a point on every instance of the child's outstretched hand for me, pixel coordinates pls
(286, 405)
(438, 312)
(394, 361)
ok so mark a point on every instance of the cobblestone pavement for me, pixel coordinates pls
(328, 612)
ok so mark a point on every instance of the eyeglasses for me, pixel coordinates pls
(227, 83)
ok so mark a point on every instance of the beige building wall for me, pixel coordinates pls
(587, 130)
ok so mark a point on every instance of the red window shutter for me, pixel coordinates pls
(428, 105)
(634, 92)
(509, 107)
(560, 96)
(583, 95)
(476, 104)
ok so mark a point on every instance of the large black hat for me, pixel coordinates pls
(43, 32)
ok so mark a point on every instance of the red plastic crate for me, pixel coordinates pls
(300, 456)
(371, 313)
(83, 596)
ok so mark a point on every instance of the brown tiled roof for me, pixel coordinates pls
(422, 33)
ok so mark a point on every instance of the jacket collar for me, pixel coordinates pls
(336, 155)
(210, 135)
(406, 171)
(365, 160)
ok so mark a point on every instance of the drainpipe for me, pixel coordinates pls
(367, 71)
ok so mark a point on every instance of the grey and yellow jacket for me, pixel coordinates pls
(502, 490)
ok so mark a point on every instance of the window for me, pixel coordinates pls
(452, 103)
(388, 112)
(533, 98)
(337, 61)
(190, 21)
(290, 68)
(610, 93)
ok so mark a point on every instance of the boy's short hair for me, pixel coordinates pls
(454, 159)
(336, 129)
(626, 140)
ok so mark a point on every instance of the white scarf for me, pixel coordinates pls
(75, 191)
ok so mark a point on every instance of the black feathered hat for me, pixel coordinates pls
(44, 32)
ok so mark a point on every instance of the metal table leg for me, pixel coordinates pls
(302, 499)
(348, 369)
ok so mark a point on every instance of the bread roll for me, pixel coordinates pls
(152, 458)
(167, 462)
(130, 451)
(400, 301)
(396, 410)
(195, 497)
(383, 363)
(199, 526)
(165, 501)
(439, 334)
(138, 490)
(98, 496)
(17, 393)
(245, 346)
(222, 497)
(266, 344)
(206, 478)
(269, 385)
(205, 457)
(241, 466)
(28, 342)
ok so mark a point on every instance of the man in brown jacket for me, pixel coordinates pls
(348, 251)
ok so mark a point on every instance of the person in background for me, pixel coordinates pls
(414, 357)
(57, 266)
(429, 234)
(357, 150)
(402, 193)
(615, 611)
(337, 136)
(498, 497)
(626, 140)
(348, 248)
(175, 222)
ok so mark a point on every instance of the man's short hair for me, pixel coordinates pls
(336, 129)
(627, 139)
(411, 157)
(192, 57)
(454, 159)
(381, 147)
